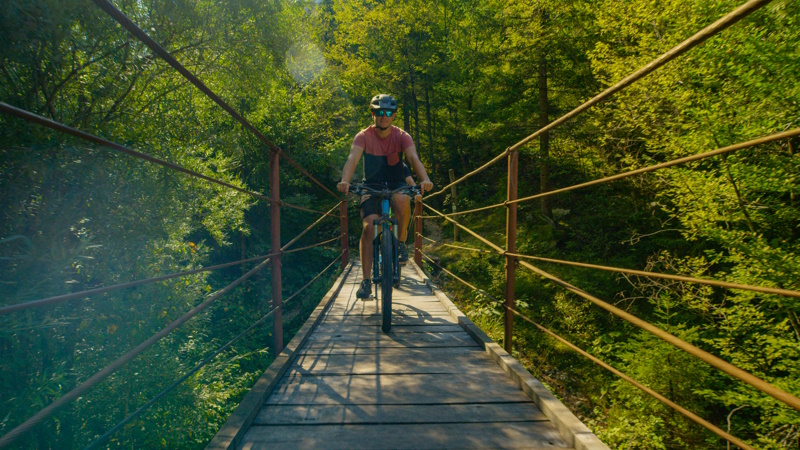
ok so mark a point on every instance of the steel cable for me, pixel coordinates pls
(715, 283)
(731, 148)
(698, 38)
(76, 392)
(31, 117)
(711, 427)
(762, 140)
(129, 356)
(61, 298)
(310, 227)
(714, 361)
(426, 238)
(694, 417)
(318, 244)
(74, 295)
(128, 24)
(100, 440)
(695, 40)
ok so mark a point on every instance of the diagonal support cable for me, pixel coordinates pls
(698, 38)
(31, 117)
(474, 172)
(128, 24)
(695, 40)
(720, 151)
(641, 273)
(61, 298)
(712, 360)
(318, 244)
(105, 437)
(310, 227)
(694, 417)
(76, 392)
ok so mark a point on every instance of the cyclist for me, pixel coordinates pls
(383, 146)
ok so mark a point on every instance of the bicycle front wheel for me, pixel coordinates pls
(387, 273)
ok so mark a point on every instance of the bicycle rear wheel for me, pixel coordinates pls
(386, 277)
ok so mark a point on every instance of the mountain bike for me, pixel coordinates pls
(385, 262)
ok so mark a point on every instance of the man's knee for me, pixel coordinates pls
(367, 226)
(402, 203)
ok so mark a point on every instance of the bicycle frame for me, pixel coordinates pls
(386, 218)
(384, 245)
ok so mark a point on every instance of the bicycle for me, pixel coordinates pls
(385, 258)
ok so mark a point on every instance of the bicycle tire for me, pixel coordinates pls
(387, 274)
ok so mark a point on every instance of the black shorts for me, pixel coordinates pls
(372, 205)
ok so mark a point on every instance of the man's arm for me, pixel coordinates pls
(350, 167)
(407, 174)
(419, 169)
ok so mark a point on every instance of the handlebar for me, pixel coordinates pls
(361, 189)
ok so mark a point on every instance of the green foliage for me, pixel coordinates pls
(732, 218)
(75, 216)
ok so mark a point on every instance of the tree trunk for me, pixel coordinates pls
(431, 157)
(544, 138)
(406, 112)
(415, 105)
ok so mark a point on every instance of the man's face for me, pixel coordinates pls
(383, 118)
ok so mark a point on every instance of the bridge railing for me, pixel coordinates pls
(272, 259)
(513, 259)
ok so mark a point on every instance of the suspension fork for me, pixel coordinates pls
(376, 244)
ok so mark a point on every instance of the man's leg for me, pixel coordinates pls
(367, 235)
(367, 232)
(402, 209)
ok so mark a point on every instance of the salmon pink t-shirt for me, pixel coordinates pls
(383, 157)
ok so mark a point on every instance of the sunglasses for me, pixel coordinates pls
(383, 112)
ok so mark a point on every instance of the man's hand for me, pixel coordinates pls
(343, 186)
(426, 186)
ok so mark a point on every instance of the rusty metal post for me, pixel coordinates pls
(275, 233)
(511, 247)
(453, 199)
(418, 231)
(345, 236)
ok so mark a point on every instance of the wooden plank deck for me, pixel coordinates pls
(426, 384)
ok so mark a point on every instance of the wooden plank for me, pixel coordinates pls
(426, 384)
(444, 352)
(413, 340)
(235, 427)
(397, 414)
(571, 428)
(407, 362)
(358, 328)
(375, 333)
(423, 303)
(527, 435)
(394, 389)
(397, 319)
(405, 309)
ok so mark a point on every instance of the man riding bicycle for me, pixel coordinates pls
(383, 146)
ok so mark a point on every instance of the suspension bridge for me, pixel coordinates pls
(435, 381)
